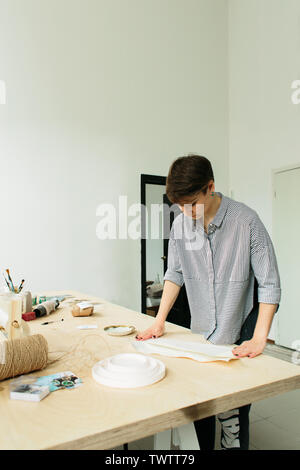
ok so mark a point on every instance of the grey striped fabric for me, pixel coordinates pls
(219, 275)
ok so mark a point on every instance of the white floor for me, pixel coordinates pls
(274, 422)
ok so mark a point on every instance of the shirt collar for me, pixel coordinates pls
(219, 216)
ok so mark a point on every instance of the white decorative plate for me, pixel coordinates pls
(128, 370)
(119, 330)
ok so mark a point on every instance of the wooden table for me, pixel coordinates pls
(97, 417)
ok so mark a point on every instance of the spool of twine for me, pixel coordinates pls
(23, 355)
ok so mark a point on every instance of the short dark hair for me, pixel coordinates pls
(188, 176)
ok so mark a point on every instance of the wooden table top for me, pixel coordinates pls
(94, 416)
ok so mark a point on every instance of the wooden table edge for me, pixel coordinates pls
(149, 426)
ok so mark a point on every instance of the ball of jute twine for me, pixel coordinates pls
(24, 355)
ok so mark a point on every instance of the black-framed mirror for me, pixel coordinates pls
(154, 252)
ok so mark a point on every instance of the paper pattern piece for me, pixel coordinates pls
(202, 352)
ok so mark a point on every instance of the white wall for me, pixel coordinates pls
(264, 60)
(98, 92)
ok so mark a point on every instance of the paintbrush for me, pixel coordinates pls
(21, 285)
(10, 280)
(6, 282)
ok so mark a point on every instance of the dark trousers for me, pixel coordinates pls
(206, 428)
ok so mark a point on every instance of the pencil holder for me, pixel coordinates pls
(11, 308)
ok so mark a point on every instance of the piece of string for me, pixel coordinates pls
(83, 354)
(31, 353)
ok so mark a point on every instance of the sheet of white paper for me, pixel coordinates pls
(193, 346)
(201, 352)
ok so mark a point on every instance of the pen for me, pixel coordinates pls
(48, 322)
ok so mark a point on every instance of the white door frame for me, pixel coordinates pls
(275, 171)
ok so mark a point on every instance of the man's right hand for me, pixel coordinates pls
(155, 330)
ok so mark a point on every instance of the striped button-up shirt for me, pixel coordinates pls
(219, 276)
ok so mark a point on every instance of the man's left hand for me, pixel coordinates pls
(249, 348)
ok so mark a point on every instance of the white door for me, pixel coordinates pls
(286, 239)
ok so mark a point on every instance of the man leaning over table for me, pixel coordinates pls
(232, 280)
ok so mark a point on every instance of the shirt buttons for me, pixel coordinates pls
(211, 228)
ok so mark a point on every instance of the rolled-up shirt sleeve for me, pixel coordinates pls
(174, 270)
(264, 263)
